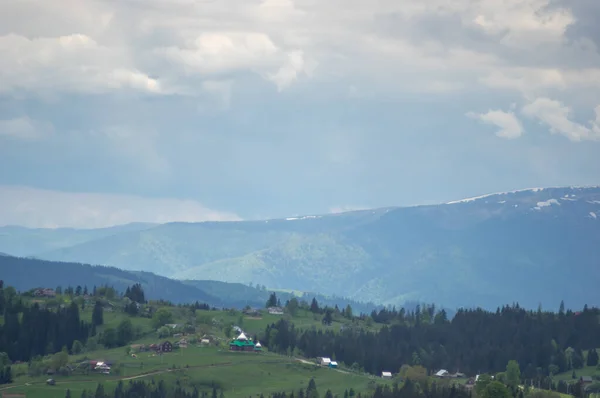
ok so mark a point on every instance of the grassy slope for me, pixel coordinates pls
(240, 374)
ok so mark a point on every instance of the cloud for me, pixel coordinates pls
(70, 63)
(37, 208)
(556, 116)
(258, 105)
(24, 128)
(510, 126)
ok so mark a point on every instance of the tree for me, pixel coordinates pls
(272, 301)
(292, 306)
(124, 332)
(98, 314)
(314, 306)
(482, 382)
(100, 392)
(348, 312)
(327, 318)
(162, 317)
(311, 390)
(77, 347)
(416, 373)
(110, 338)
(495, 389)
(513, 374)
(592, 357)
(68, 394)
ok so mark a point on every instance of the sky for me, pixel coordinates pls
(117, 111)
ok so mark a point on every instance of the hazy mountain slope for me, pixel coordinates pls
(530, 246)
(172, 248)
(20, 241)
(299, 262)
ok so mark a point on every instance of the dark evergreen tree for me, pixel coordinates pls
(98, 314)
(272, 301)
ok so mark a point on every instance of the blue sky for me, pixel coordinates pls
(156, 110)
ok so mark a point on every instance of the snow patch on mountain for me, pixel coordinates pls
(494, 194)
(546, 203)
(301, 218)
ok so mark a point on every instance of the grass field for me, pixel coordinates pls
(239, 374)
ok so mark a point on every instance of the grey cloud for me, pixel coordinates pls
(587, 13)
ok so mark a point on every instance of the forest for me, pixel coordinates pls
(409, 389)
(474, 341)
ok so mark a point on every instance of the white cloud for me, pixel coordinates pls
(160, 46)
(71, 63)
(557, 117)
(509, 125)
(37, 208)
(24, 128)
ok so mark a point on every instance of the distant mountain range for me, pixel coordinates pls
(26, 273)
(530, 246)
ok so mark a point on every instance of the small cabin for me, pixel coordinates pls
(324, 361)
(333, 364)
(386, 375)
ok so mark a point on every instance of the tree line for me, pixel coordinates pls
(30, 331)
(473, 341)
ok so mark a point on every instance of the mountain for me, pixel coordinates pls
(27, 273)
(530, 246)
(21, 241)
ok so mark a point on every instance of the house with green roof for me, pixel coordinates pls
(243, 343)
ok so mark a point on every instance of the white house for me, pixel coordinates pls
(386, 375)
(275, 310)
(205, 341)
(324, 361)
(442, 373)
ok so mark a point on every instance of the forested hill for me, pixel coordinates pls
(27, 273)
(472, 342)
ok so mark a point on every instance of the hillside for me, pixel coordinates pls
(522, 246)
(28, 273)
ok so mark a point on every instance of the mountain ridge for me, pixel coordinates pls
(460, 253)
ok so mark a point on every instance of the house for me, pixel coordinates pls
(586, 380)
(251, 312)
(386, 375)
(183, 343)
(324, 361)
(333, 364)
(442, 373)
(44, 292)
(165, 346)
(100, 367)
(242, 343)
(275, 310)
(258, 346)
(205, 341)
